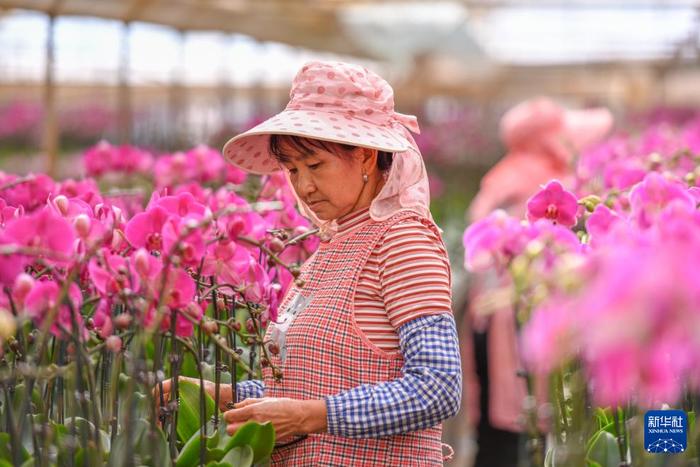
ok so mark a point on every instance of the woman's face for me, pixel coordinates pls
(330, 185)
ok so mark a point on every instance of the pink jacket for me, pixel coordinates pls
(543, 140)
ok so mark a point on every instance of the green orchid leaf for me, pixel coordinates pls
(5, 452)
(188, 414)
(240, 456)
(604, 417)
(89, 428)
(260, 437)
(604, 450)
(189, 454)
(120, 451)
(189, 366)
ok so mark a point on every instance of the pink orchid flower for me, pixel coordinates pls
(43, 230)
(548, 338)
(30, 194)
(9, 212)
(172, 170)
(200, 193)
(184, 327)
(111, 274)
(84, 190)
(614, 374)
(206, 164)
(183, 205)
(649, 197)
(179, 297)
(44, 297)
(180, 288)
(234, 175)
(600, 221)
(228, 262)
(130, 159)
(102, 319)
(11, 265)
(256, 283)
(493, 241)
(622, 174)
(147, 266)
(554, 203)
(190, 246)
(97, 159)
(145, 229)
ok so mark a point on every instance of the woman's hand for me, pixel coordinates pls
(225, 393)
(289, 417)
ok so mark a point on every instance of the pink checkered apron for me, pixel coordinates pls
(325, 353)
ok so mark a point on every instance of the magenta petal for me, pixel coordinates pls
(600, 221)
(553, 203)
(143, 224)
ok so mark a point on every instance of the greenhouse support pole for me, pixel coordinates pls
(178, 96)
(224, 88)
(124, 94)
(50, 130)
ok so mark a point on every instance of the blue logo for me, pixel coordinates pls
(665, 431)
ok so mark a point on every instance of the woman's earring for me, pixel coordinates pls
(365, 178)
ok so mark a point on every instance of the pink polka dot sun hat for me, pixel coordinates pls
(330, 101)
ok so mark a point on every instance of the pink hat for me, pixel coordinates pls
(330, 101)
(542, 139)
(539, 122)
(344, 103)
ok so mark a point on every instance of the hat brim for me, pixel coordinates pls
(587, 127)
(250, 150)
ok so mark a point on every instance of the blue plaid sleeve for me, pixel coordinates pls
(249, 388)
(429, 391)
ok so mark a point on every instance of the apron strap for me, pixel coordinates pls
(450, 452)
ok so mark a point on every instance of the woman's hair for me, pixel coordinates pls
(309, 146)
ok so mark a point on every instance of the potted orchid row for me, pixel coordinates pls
(104, 299)
(602, 283)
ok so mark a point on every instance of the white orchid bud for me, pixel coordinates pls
(22, 286)
(118, 214)
(116, 240)
(61, 203)
(113, 343)
(8, 325)
(141, 262)
(82, 225)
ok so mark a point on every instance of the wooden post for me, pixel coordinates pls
(224, 88)
(50, 130)
(178, 98)
(124, 95)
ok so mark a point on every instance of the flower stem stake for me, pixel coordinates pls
(114, 396)
(521, 312)
(172, 404)
(231, 336)
(202, 400)
(217, 356)
(621, 438)
(75, 336)
(11, 428)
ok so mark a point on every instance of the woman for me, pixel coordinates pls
(368, 346)
(542, 140)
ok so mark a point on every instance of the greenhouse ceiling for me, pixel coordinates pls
(509, 31)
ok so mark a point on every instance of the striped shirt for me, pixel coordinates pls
(406, 276)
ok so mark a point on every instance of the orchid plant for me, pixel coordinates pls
(604, 292)
(104, 298)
